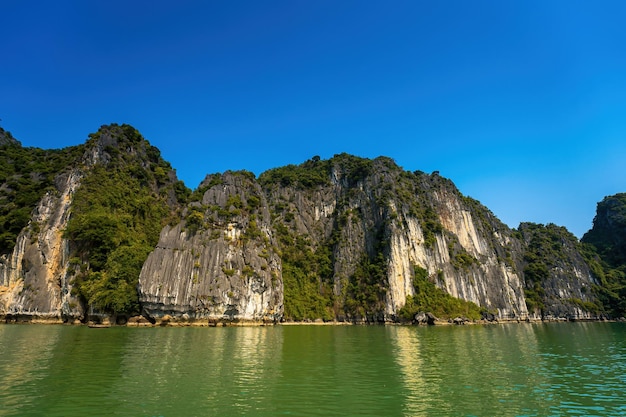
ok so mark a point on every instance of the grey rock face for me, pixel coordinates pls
(424, 318)
(36, 277)
(34, 280)
(467, 257)
(608, 234)
(553, 261)
(7, 139)
(369, 222)
(409, 220)
(222, 269)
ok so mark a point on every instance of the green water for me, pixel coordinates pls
(516, 369)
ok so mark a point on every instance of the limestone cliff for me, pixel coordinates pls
(558, 279)
(608, 234)
(470, 254)
(33, 278)
(607, 243)
(35, 203)
(218, 264)
(60, 265)
(343, 238)
(378, 222)
(106, 231)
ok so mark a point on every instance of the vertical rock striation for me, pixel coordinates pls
(49, 273)
(373, 213)
(34, 280)
(338, 239)
(467, 259)
(558, 281)
(219, 263)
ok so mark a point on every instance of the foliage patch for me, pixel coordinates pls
(430, 298)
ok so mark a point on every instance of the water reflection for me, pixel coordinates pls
(338, 370)
(522, 369)
(475, 370)
(26, 353)
(62, 370)
(203, 371)
(255, 362)
(422, 390)
(585, 368)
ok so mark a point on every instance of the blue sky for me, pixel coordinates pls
(521, 104)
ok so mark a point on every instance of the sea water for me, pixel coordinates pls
(477, 370)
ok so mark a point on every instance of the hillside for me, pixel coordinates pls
(105, 231)
(607, 239)
(93, 214)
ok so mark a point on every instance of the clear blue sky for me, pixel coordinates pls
(522, 104)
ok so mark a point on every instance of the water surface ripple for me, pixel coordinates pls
(506, 370)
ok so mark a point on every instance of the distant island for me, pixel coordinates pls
(105, 233)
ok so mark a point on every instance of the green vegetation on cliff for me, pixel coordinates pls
(432, 299)
(606, 251)
(551, 251)
(117, 215)
(26, 174)
(317, 172)
(307, 277)
(311, 173)
(332, 223)
(410, 189)
(367, 288)
(6, 138)
(611, 287)
(369, 195)
(608, 234)
(543, 248)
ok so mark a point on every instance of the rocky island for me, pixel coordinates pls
(104, 232)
